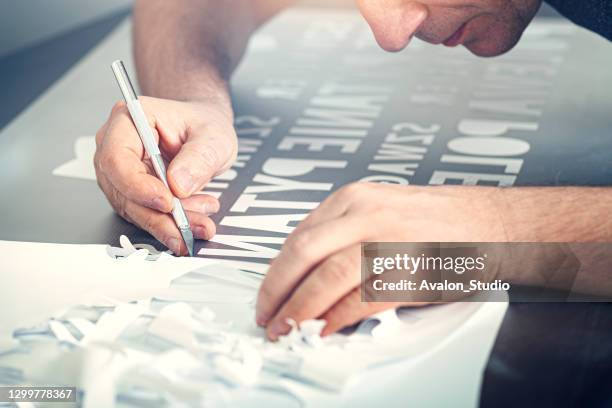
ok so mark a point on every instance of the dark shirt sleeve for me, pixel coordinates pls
(595, 15)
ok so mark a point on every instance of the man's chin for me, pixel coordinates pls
(489, 48)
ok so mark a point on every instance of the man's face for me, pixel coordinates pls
(485, 27)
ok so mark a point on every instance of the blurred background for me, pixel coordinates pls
(25, 23)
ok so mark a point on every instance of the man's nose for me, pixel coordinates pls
(393, 22)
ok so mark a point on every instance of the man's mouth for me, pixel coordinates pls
(457, 38)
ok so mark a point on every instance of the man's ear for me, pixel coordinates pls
(393, 22)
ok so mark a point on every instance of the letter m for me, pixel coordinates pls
(248, 245)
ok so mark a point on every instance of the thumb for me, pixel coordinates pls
(203, 156)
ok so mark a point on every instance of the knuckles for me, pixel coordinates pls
(217, 153)
(339, 268)
(354, 191)
(119, 107)
(207, 155)
(297, 245)
(211, 157)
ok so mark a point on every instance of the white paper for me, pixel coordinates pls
(41, 280)
(216, 346)
(109, 356)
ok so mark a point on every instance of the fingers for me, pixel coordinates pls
(300, 253)
(201, 203)
(325, 231)
(201, 226)
(332, 291)
(136, 193)
(158, 224)
(119, 158)
(129, 175)
(204, 154)
(319, 291)
(121, 133)
(163, 228)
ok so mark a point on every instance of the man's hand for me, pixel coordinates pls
(318, 275)
(199, 142)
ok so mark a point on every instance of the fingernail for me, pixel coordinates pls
(174, 245)
(261, 320)
(199, 232)
(210, 208)
(159, 204)
(184, 179)
(278, 328)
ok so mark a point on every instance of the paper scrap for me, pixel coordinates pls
(111, 324)
(307, 333)
(61, 332)
(175, 324)
(311, 331)
(328, 366)
(242, 365)
(82, 165)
